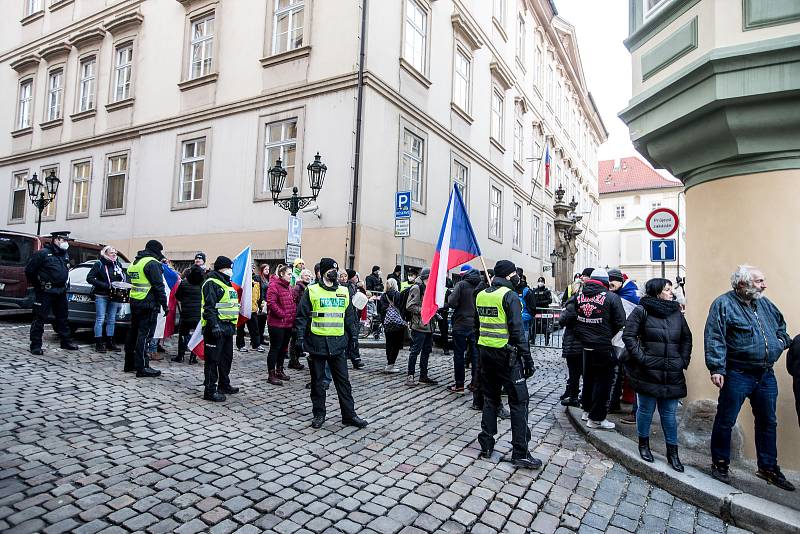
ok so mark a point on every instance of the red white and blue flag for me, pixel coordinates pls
(166, 326)
(547, 166)
(456, 246)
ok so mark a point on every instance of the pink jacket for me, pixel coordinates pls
(281, 307)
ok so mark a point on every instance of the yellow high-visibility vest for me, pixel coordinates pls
(227, 307)
(327, 310)
(492, 318)
(141, 285)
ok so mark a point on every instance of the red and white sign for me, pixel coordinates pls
(662, 222)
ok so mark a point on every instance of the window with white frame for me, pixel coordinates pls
(55, 93)
(495, 212)
(619, 212)
(516, 228)
(87, 84)
(19, 196)
(521, 38)
(498, 102)
(415, 35)
(536, 235)
(412, 171)
(116, 178)
(201, 48)
(280, 144)
(25, 105)
(81, 175)
(459, 177)
(538, 145)
(288, 25)
(539, 67)
(654, 205)
(499, 11)
(550, 81)
(519, 133)
(651, 7)
(548, 238)
(193, 162)
(33, 6)
(123, 70)
(558, 100)
(462, 73)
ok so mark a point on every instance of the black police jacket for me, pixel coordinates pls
(323, 345)
(516, 332)
(48, 269)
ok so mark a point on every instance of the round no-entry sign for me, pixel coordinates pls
(662, 222)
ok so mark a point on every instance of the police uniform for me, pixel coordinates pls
(220, 305)
(324, 317)
(147, 298)
(48, 272)
(505, 363)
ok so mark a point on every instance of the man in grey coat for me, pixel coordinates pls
(421, 333)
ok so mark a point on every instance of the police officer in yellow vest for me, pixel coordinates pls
(323, 315)
(505, 362)
(220, 305)
(147, 299)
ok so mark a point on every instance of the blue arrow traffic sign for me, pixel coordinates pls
(662, 250)
(402, 205)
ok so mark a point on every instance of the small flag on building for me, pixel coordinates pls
(547, 166)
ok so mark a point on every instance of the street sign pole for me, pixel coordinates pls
(663, 269)
(402, 225)
(402, 259)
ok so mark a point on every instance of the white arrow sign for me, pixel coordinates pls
(663, 248)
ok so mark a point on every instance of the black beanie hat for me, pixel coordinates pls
(587, 272)
(326, 264)
(376, 268)
(615, 275)
(222, 262)
(504, 267)
(155, 246)
(350, 273)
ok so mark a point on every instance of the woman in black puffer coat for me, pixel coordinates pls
(189, 296)
(572, 351)
(659, 346)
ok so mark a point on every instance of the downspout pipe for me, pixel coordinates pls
(351, 256)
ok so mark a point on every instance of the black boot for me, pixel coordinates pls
(644, 449)
(213, 395)
(193, 358)
(178, 358)
(672, 458)
(110, 346)
(99, 345)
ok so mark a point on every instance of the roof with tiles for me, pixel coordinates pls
(630, 174)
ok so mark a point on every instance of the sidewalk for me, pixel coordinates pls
(766, 509)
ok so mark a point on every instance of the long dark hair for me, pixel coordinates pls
(655, 286)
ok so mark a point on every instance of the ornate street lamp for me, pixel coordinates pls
(293, 204)
(42, 194)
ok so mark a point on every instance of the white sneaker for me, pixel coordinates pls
(410, 380)
(585, 416)
(605, 424)
(243, 349)
(392, 369)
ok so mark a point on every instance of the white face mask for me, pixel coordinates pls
(64, 245)
(227, 272)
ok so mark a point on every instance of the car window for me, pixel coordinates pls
(78, 275)
(15, 250)
(79, 254)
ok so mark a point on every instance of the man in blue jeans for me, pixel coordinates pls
(745, 335)
(462, 301)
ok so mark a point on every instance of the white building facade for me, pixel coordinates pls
(162, 117)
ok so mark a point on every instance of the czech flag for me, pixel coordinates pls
(456, 246)
(165, 326)
(242, 281)
(547, 166)
(196, 343)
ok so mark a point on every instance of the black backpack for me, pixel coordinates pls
(402, 301)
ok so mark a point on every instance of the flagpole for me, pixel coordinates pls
(486, 270)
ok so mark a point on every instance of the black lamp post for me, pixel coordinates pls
(293, 204)
(42, 194)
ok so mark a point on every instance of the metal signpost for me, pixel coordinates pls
(402, 225)
(662, 223)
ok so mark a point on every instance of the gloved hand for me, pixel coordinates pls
(528, 368)
(164, 309)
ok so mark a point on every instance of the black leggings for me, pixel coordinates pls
(394, 343)
(278, 343)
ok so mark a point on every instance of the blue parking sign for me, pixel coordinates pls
(662, 250)
(402, 205)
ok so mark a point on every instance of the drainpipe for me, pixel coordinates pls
(351, 256)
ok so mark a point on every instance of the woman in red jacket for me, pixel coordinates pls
(281, 313)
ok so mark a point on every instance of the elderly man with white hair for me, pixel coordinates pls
(745, 335)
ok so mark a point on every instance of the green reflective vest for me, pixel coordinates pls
(492, 317)
(327, 310)
(227, 307)
(404, 284)
(141, 285)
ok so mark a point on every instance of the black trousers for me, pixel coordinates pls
(598, 375)
(252, 329)
(185, 331)
(394, 344)
(501, 368)
(218, 361)
(575, 369)
(278, 343)
(444, 330)
(262, 327)
(477, 379)
(338, 367)
(617, 381)
(42, 306)
(353, 353)
(143, 326)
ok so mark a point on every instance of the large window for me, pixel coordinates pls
(287, 26)
(619, 212)
(122, 72)
(651, 7)
(550, 81)
(201, 49)
(86, 88)
(495, 212)
(415, 35)
(116, 178)
(460, 178)
(413, 169)
(79, 200)
(498, 102)
(49, 211)
(519, 133)
(516, 228)
(25, 104)
(462, 72)
(55, 92)
(193, 162)
(521, 38)
(499, 11)
(32, 6)
(536, 235)
(281, 143)
(19, 196)
(548, 238)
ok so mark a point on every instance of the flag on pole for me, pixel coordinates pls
(242, 281)
(547, 166)
(456, 246)
(165, 326)
(196, 344)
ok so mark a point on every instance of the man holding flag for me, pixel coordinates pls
(220, 304)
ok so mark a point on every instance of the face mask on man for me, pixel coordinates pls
(332, 276)
(227, 272)
(515, 280)
(540, 284)
(64, 245)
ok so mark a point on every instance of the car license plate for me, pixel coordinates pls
(80, 298)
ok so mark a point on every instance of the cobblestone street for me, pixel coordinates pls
(86, 448)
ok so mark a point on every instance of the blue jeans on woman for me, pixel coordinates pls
(667, 409)
(105, 312)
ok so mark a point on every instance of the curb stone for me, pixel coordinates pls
(694, 486)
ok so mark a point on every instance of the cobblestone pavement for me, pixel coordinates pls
(85, 448)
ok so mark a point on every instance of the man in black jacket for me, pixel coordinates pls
(506, 363)
(48, 272)
(220, 303)
(324, 316)
(462, 301)
(374, 282)
(793, 366)
(600, 316)
(542, 298)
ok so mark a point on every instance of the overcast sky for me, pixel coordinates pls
(601, 26)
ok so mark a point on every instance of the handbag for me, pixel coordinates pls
(393, 321)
